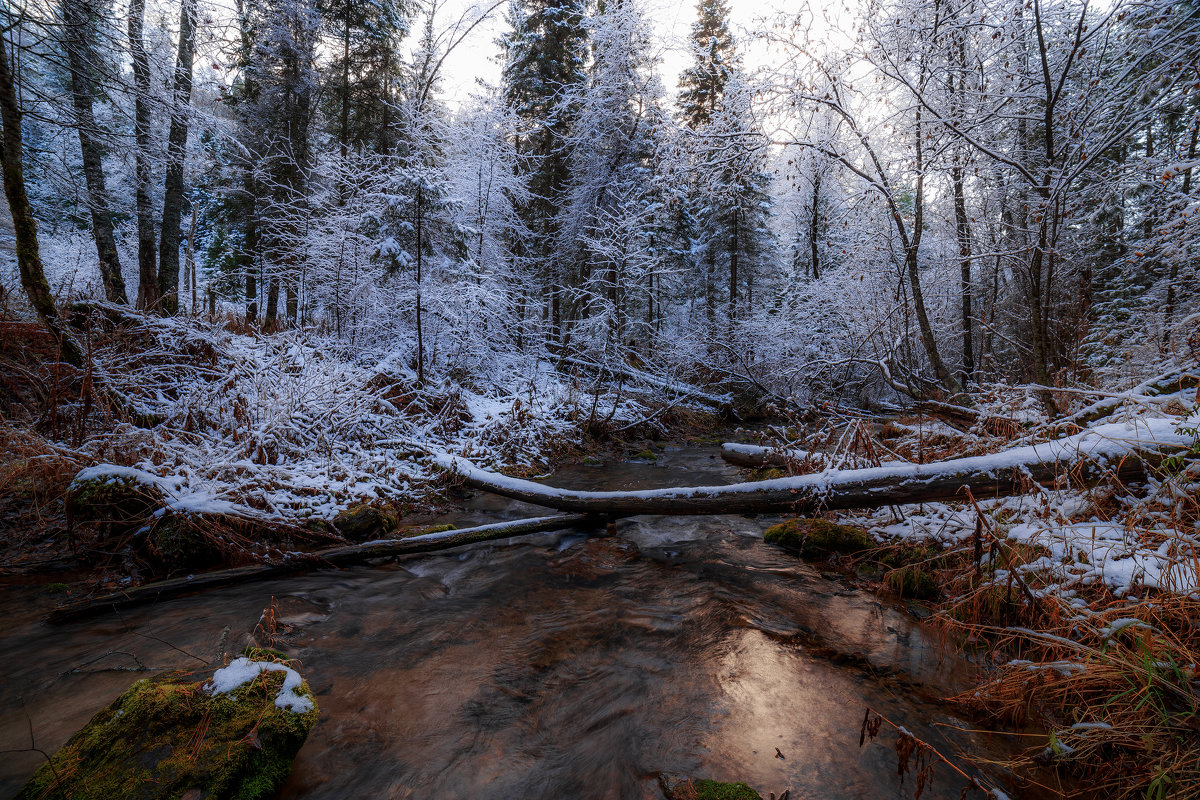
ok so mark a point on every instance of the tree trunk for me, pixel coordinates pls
(78, 25)
(734, 246)
(147, 273)
(29, 261)
(814, 221)
(168, 266)
(271, 315)
(963, 231)
(1173, 277)
(420, 333)
(913, 269)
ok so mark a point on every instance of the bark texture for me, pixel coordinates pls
(79, 22)
(29, 260)
(168, 265)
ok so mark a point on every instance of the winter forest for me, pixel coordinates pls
(886, 309)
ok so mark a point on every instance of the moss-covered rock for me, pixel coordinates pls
(171, 737)
(646, 455)
(183, 542)
(362, 522)
(910, 568)
(817, 537)
(679, 787)
(913, 583)
(116, 497)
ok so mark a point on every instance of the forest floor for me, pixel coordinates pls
(1080, 601)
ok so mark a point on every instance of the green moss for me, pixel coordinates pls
(167, 736)
(766, 474)
(438, 528)
(361, 522)
(56, 588)
(914, 583)
(647, 455)
(113, 500)
(714, 790)
(681, 787)
(181, 543)
(816, 537)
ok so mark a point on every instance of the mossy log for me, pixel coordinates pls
(1080, 460)
(302, 562)
(178, 736)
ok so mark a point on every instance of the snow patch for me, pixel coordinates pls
(242, 670)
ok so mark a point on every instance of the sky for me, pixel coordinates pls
(478, 56)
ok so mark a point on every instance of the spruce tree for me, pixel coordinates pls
(364, 74)
(544, 69)
(728, 197)
(702, 86)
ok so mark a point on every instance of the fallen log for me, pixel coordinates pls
(1167, 383)
(320, 559)
(752, 456)
(1081, 459)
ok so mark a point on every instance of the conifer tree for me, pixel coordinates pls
(702, 86)
(546, 55)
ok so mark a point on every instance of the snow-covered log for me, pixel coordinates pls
(301, 562)
(1167, 383)
(1081, 459)
(753, 456)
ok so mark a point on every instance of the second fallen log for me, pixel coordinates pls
(1083, 459)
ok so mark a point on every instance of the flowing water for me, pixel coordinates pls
(551, 666)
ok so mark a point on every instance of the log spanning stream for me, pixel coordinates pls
(552, 666)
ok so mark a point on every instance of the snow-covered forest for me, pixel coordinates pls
(910, 201)
(935, 264)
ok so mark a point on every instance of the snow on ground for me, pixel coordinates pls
(1149, 541)
(292, 425)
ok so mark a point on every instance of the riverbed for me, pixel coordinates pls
(549, 666)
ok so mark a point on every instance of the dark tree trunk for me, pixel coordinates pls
(147, 272)
(344, 136)
(168, 267)
(913, 269)
(1173, 278)
(963, 231)
(331, 557)
(734, 247)
(29, 261)
(814, 222)
(420, 333)
(78, 22)
(271, 315)
(293, 302)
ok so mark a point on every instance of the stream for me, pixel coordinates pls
(550, 666)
